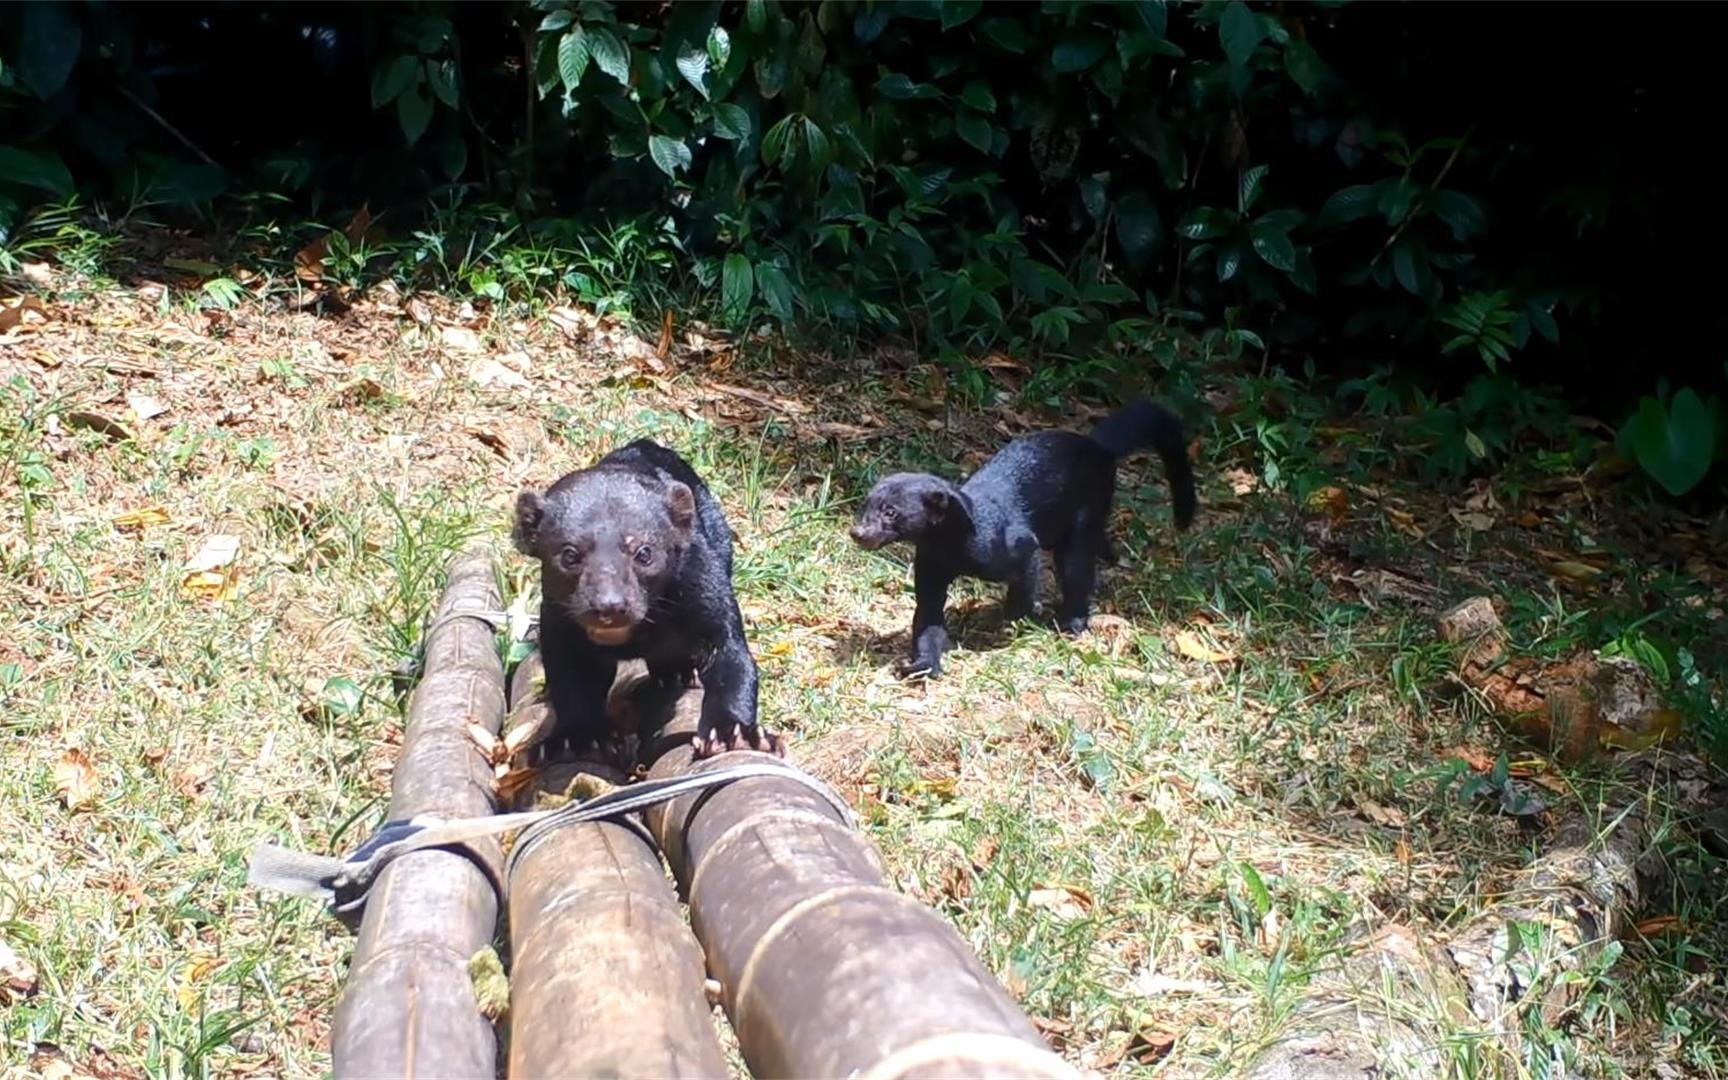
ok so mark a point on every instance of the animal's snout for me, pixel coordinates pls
(611, 610)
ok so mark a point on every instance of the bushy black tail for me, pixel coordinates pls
(1145, 423)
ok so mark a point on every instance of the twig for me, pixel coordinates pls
(166, 126)
(1439, 179)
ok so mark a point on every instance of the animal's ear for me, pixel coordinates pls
(681, 504)
(530, 511)
(942, 505)
(936, 503)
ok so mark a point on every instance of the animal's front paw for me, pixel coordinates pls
(1073, 625)
(737, 737)
(920, 667)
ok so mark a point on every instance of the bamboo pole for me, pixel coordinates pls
(606, 978)
(408, 1009)
(825, 969)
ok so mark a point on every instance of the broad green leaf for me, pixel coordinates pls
(693, 65)
(391, 78)
(901, 88)
(1396, 196)
(453, 156)
(776, 290)
(1153, 16)
(1674, 445)
(1279, 220)
(342, 696)
(1206, 223)
(989, 305)
(1275, 248)
(1349, 204)
(1078, 50)
(39, 169)
(732, 122)
(1006, 33)
(756, 15)
(869, 23)
(1139, 228)
(959, 301)
(1258, 896)
(774, 143)
(1248, 188)
(978, 95)
(719, 47)
(441, 76)
(771, 72)
(556, 21)
(572, 58)
(1108, 292)
(737, 285)
(1405, 270)
(47, 47)
(959, 12)
(975, 129)
(610, 55)
(817, 146)
(1542, 321)
(1229, 262)
(414, 113)
(1459, 211)
(669, 154)
(1239, 31)
(1473, 443)
(1094, 196)
(1304, 66)
(812, 50)
(1303, 276)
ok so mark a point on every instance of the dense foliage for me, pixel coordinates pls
(1382, 191)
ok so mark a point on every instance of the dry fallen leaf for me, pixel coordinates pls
(14, 315)
(102, 425)
(489, 374)
(487, 743)
(1062, 901)
(1474, 520)
(188, 992)
(508, 784)
(1331, 501)
(211, 573)
(1577, 571)
(142, 518)
(573, 322)
(75, 778)
(144, 407)
(17, 977)
(1390, 816)
(1191, 645)
(461, 339)
(1241, 481)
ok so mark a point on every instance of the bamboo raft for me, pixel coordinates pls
(823, 969)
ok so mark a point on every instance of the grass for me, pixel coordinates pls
(1155, 834)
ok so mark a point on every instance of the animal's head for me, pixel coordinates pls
(906, 506)
(609, 541)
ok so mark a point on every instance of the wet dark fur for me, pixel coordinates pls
(1051, 489)
(636, 562)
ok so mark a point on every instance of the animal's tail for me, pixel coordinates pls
(1143, 423)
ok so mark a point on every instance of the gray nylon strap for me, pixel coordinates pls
(343, 883)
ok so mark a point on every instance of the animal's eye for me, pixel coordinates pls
(644, 555)
(891, 512)
(569, 558)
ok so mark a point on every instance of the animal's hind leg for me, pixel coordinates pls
(1077, 570)
(1023, 586)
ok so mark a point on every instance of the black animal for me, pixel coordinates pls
(1051, 489)
(636, 562)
